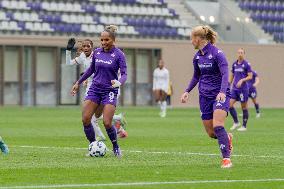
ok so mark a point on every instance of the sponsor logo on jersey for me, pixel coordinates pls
(112, 55)
(239, 70)
(205, 65)
(103, 61)
(210, 56)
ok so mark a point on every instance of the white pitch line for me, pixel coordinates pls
(153, 152)
(141, 183)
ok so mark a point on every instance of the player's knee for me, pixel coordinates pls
(107, 124)
(86, 120)
(212, 135)
(98, 114)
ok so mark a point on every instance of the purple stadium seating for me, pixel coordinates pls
(268, 13)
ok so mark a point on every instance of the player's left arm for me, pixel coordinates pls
(257, 80)
(249, 75)
(123, 72)
(224, 70)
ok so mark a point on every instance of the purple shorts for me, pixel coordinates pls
(105, 97)
(252, 92)
(209, 105)
(240, 95)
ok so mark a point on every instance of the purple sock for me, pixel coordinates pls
(90, 132)
(223, 141)
(111, 132)
(245, 117)
(256, 108)
(233, 113)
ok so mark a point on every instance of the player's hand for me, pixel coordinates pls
(184, 97)
(74, 89)
(115, 83)
(70, 44)
(254, 85)
(239, 84)
(85, 83)
(221, 97)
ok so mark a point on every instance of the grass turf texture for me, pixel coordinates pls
(181, 131)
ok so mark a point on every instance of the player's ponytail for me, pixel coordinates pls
(211, 35)
(205, 32)
(111, 29)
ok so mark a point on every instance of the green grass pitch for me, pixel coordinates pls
(48, 147)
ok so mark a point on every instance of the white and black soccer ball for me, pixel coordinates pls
(97, 149)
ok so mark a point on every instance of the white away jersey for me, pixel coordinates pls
(161, 78)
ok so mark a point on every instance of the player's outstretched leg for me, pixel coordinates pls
(108, 113)
(224, 141)
(4, 148)
(234, 115)
(257, 110)
(163, 109)
(245, 120)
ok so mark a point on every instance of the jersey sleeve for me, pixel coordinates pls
(195, 77)
(223, 67)
(68, 59)
(123, 68)
(248, 68)
(89, 71)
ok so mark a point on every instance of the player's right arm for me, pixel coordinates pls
(257, 80)
(192, 83)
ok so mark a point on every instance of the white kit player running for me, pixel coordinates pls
(85, 54)
(161, 78)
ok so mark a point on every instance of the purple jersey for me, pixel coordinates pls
(211, 71)
(240, 71)
(105, 66)
(252, 81)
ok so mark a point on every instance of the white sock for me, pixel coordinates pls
(100, 118)
(161, 105)
(97, 128)
(164, 106)
(116, 117)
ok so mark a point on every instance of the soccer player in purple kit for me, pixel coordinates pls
(211, 72)
(241, 73)
(253, 92)
(106, 62)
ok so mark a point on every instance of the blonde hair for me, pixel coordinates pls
(111, 29)
(205, 32)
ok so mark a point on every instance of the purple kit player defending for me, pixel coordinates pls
(105, 64)
(252, 91)
(241, 73)
(211, 72)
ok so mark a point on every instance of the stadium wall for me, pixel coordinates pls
(267, 60)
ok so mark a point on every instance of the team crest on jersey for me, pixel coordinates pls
(243, 65)
(112, 55)
(98, 53)
(219, 51)
(210, 56)
(197, 57)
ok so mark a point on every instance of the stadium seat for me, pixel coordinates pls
(132, 16)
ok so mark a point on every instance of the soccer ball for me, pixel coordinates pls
(97, 149)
